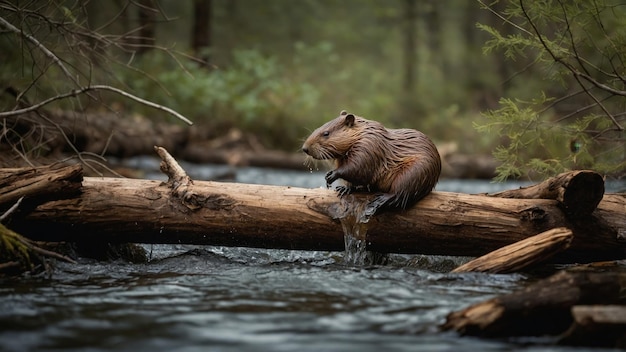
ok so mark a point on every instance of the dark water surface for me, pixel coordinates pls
(190, 298)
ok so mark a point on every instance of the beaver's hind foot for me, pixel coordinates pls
(378, 203)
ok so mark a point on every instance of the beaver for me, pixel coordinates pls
(401, 165)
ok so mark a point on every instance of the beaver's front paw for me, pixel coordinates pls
(343, 190)
(331, 176)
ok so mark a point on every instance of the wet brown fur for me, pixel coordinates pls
(403, 164)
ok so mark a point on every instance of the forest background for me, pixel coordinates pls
(539, 84)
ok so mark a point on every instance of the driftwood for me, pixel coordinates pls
(214, 213)
(552, 307)
(522, 254)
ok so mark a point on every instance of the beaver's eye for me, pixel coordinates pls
(326, 134)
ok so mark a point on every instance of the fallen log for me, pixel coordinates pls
(550, 307)
(522, 254)
(228, 214)
(578, 192)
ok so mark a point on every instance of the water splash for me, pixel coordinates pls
(354, 221)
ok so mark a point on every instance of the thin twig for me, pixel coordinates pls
(76, 92)
(7, 265)
(41, 47)
(568, 30)
(31, 245)
(11, 209)
(503, 18)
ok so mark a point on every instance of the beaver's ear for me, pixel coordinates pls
(343, 112)
(349, 120)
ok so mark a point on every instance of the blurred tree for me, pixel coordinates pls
(201, 35)
(410, 42)
(147, 16)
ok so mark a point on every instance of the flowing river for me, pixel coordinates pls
(193, 298)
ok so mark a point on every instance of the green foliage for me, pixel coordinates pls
(532, 144)
(512, 45)
(254, 93)
(539, 147)
(280, 102)
(575, 47)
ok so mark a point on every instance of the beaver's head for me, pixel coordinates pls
(333, 139)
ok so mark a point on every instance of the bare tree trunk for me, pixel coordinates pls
(201, 35)
(432, 19)
(146, 19)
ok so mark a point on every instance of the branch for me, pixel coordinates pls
(46, 253)
(571, 37)
(11, 209)
(82, 90)
(607, 36)
(503, 18)
(606, 111)
(577, 74)
(41, 47)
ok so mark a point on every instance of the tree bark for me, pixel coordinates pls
(228, 214)
(38, 185)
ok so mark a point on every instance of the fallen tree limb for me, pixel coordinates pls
(522, 254)
(228, 214)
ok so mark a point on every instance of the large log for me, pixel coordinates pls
(214, 213)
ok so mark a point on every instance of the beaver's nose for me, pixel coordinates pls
(305, 149)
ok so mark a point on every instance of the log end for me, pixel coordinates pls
(583, 193)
